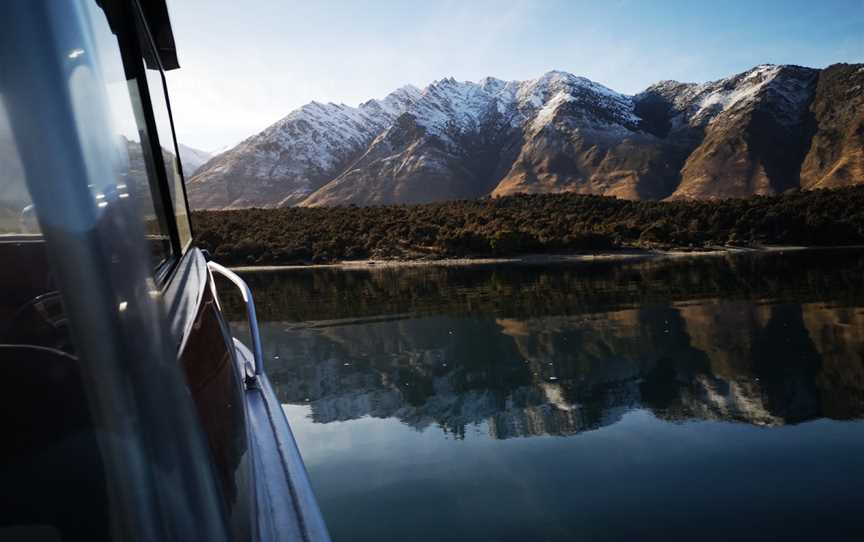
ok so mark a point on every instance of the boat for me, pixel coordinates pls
(130, 409)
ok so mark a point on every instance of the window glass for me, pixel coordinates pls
(111, 129)
(16, 209)
(131, 171)
(158, 97)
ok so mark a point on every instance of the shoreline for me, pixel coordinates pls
(540, 259)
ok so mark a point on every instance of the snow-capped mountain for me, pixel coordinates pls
(292, 158)
(745, 134)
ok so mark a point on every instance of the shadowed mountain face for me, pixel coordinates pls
(757, 137)
(534, 351)
(836, 153)
(764, 131)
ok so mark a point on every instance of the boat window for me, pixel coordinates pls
(30, 310)
(105, 101)
(16, 209)
(162, 114)
(135, 164)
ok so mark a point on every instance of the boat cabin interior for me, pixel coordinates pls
(131, 412)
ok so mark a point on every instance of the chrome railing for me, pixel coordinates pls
(246, 292)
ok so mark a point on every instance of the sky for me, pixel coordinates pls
(245, 65)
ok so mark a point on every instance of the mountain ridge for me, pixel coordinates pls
(750, 133)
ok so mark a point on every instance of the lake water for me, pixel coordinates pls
(715, 398)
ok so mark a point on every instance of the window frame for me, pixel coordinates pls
(144, 36)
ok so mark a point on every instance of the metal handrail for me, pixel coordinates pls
(246, 292)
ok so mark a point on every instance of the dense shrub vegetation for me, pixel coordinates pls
(521, 224)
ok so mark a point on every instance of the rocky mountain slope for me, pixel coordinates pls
(192, 159)
(836, 153)
(764, 131)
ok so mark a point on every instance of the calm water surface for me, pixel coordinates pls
(710, 399)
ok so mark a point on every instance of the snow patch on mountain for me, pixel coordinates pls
(725, 94)
(397, 102)
(539, 92)
(702, 104)
(448, 107)
(547, 112)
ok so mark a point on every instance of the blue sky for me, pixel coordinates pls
(247, 64)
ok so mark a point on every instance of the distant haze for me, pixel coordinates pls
(246, 65)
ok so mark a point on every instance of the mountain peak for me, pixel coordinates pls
(554, 75)
(492, 84)
(408, 89)
(444, 82)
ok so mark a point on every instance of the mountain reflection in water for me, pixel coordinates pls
(501, 352)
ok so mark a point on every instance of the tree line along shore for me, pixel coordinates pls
(527, 224)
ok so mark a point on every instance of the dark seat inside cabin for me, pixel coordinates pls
(31, 311)
(51, 470)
